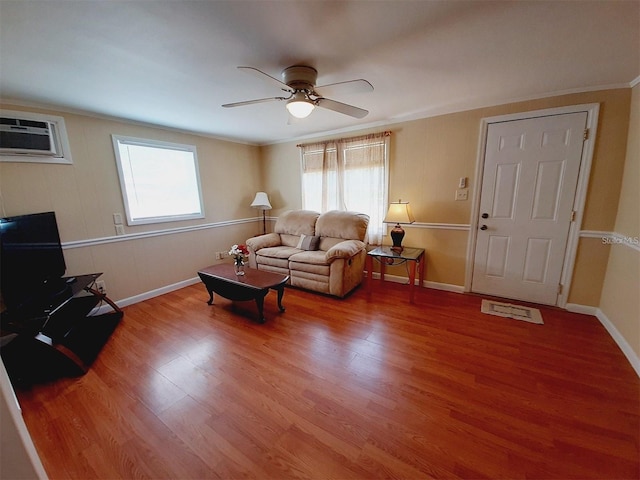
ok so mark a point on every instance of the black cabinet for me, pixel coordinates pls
(59, 334)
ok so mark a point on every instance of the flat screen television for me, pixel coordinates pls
(31, 259)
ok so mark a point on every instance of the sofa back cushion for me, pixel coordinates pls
(342, 225)
(289, 240)
(296, 222)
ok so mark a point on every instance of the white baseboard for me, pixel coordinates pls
(150, 294)
(435, 285)
(447, 287)
(631, 355)
(584, 309)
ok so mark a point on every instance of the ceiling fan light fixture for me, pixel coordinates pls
(300, 106)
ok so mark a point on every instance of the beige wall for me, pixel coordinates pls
(427, 158)
(620, 301)
(429, 155)
(85, 196)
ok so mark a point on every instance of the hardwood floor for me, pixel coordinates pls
(342, 389)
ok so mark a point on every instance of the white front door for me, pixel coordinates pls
(528, 187)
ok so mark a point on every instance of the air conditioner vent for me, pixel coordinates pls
(31, 137)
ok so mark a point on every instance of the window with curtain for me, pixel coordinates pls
(348, 174)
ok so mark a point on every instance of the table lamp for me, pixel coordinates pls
(262, 202)
(399, 212)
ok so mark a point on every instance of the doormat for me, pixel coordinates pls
(517, 312)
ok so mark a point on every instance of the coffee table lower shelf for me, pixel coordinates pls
(253, 285)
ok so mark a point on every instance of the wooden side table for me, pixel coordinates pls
(413, 256)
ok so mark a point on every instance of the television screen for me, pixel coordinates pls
(31, 258)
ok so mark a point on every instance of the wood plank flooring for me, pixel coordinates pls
(337, 389)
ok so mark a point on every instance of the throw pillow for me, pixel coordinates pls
(308, 242)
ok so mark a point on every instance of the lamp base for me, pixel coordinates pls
(397, 234)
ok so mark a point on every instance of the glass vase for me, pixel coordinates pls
(239, 266)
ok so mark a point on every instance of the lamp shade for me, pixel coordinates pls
(261, 201)
(399, 212)
(300, 106)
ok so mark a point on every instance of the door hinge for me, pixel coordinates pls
(573, 215)
(559, 289)
(585, 135)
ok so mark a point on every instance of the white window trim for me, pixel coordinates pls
(122, 139)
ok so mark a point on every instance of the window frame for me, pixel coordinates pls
(119, 140)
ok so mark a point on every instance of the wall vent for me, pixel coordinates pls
(33, 137)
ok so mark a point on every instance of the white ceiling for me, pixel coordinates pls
(173, 63)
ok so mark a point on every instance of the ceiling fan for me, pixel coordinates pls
(299, 81)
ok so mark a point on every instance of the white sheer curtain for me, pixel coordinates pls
(348, 174)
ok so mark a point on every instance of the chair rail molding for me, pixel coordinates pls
(154, 233)
(613, 238)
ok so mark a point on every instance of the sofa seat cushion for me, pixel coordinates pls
(280, 251)
(311, 266)
(275, 256)
(315, 257)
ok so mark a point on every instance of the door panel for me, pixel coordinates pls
(528, 186)
(548, 187)
(536, 260)
(506, 185)
(497, 254)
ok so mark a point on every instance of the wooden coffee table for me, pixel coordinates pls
(253, 285)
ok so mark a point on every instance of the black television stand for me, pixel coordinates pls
(57, 335)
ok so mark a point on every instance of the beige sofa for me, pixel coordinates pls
(321, 252)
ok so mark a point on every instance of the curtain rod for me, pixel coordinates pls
(361, 137)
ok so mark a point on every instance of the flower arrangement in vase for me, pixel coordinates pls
(239, 254)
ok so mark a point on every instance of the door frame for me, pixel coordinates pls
(592, 110)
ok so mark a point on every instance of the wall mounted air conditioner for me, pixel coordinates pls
(18, 136)
(32, 137)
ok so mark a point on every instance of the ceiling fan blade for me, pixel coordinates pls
(251, 102)
(342, 108)
(351, 86)
(265, 76)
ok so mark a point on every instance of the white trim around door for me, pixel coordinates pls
(592, 111)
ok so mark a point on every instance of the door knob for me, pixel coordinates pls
(485, 215)
(483, 227)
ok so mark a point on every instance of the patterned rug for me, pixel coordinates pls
(508, 310)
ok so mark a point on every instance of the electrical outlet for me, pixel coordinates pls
(218, 255)
(117, 219)
(119, 229)
(101, 287)
(461, 194)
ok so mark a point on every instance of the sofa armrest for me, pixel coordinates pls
(344, 249)
(262, 241)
